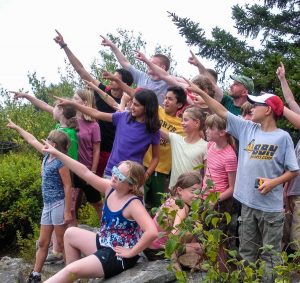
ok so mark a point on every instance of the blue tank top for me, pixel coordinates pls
(116, 230)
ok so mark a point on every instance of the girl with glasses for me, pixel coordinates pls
(126, 228)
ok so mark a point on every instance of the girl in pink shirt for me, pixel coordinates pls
(221, 158)
(184, 190)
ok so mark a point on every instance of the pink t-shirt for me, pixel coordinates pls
(89, 133)
(219, 163)
(159, 243)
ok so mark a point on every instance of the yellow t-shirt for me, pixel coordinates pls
(170, 124)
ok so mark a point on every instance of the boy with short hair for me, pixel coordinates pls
(266, 161)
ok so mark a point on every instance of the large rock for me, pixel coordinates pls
(143, 272)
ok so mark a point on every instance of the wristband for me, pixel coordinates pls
(63, 46)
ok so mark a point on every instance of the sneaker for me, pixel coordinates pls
(34, 278)
(54, 258)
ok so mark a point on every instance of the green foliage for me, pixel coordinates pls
(275, 23)
(27, 245)
(220, 264)
(87, 215)
(20, 194)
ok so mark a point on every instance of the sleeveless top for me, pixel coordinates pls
(116, 230)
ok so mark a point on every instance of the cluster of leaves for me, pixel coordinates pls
(221, 261)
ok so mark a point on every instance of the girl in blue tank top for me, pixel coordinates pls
(126, 227)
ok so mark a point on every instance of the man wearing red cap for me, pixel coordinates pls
(266, 161)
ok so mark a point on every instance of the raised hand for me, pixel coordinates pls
(59, 38)
(140, 56)
(106, 42)
(11, 125)
(48, 148)
(280, 72)
(63, 101)
(109, 76)
(193, 60)
(18, 94)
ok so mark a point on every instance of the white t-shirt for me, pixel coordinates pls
(185, 156)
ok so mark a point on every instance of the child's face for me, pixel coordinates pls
(170, 104)
(188, 123)
(259, 112)
(57, 111)
(114, 85)
(188, 194)
(137, 109)
(77, 99)
(213, 134)
(119, 178)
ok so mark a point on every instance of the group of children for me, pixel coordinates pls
(157, 130)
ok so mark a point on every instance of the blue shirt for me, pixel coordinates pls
(52, 185)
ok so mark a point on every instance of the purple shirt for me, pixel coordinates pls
(89, 133)
(131, 141)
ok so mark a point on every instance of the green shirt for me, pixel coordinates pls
(73, 149)
(227, 102)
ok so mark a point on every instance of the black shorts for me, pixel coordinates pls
(112, 265)
(91, 194)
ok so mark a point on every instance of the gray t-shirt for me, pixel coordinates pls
(261, 154)
(142, 80)
(294, 187)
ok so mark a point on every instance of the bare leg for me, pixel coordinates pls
(77, 241)
(59, 231)
(44, 241)
(88, 267)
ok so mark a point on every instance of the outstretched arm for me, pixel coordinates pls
(82, 72)
(160, 72)
(79, 169)
(287, 93)
(213, 104)
(36, 102)
(29, 138)
(120, 56)
(94, 113)
(293, 117)
(107, 98)
(193, 60)
(125, 87)
(141, 216)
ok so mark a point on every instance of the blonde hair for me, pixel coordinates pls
(246, 109)
(61, 140)
(215, 121)
(87, 96)
(186, 180)
(196, 113)
(136, 173)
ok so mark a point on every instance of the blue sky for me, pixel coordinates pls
(27, 31)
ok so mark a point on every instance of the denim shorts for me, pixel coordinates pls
(53, 213)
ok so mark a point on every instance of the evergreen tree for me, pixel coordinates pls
(275, 23)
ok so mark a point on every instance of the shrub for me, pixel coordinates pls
(20, 195)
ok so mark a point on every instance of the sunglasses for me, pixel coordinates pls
(260, 104)
(120, 177)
